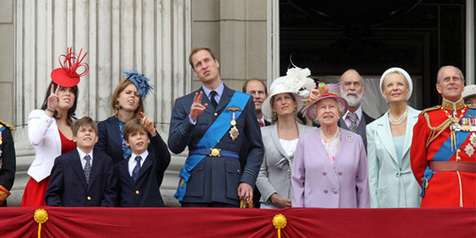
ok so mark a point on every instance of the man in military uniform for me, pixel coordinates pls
(443, 156)
(213, 122)
(7, 162)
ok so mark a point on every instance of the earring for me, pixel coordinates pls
(117, 107)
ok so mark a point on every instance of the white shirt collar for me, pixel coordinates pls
(132, 160)
(82, 154)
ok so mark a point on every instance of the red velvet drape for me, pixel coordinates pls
(234, 222)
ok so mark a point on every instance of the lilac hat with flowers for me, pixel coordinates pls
(140, 81)
(296, 82)
(322, 91)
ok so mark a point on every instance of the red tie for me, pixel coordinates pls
(261, 123)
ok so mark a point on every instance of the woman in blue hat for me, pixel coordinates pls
(127, 103)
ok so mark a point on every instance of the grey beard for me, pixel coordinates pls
(353, 101)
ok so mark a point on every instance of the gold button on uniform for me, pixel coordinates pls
(216, 114)
(89, 198)
(137, 191)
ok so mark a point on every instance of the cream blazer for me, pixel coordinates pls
(275, 173)
(391, 185)
(44, 136)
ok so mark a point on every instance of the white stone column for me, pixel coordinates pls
(150, 35)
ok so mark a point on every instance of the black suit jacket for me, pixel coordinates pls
(68, 187)
(110, 141)
(7, 159)
(216, 179)
(145, 192)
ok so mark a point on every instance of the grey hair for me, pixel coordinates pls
(353, 70)
(340, 107)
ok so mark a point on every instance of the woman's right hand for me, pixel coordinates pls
(280, 201)
(53, 100)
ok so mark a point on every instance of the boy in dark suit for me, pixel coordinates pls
(140, 176)
(82, 177)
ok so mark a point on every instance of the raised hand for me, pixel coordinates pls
(53, 99)
(148, 124)
(197, 108)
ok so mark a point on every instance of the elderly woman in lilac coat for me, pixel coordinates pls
(330, 164)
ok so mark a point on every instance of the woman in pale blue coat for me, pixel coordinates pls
(389, 138)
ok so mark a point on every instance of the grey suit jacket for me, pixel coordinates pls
(364, 121)
(275, 173)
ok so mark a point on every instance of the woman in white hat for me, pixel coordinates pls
(330, 164)
(469, 95)
(389, 138)
(280, 139)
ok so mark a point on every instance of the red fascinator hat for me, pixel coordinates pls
(66, 76)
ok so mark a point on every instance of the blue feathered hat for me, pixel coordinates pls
(140, 81)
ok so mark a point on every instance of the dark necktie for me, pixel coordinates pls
(353, 121)
(212, 98)
(87, 167)
(135, 171)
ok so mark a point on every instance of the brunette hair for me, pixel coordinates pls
(83, 122)
(71, 112)
(119, 88)
(274, 118)
(254, 79)
(195, 50)
(133, 126)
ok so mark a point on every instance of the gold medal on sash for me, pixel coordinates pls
(233, 131)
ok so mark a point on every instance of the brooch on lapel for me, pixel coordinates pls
(349, 137)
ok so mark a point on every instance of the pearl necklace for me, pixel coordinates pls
(399, 120)
(332, 138)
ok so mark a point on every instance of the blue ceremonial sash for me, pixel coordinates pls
(216, 131)
(444, 153)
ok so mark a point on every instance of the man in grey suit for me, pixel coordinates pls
(213, 122)
(353, 90)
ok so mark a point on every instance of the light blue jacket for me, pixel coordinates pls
(391, 186)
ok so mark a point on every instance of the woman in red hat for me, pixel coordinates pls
(49, 128)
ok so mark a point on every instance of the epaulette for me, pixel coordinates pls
(7, 125)
(471, 106)
(431, 109)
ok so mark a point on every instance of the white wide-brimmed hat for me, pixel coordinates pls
(397, 69)
(469, 90)
(296, 82)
